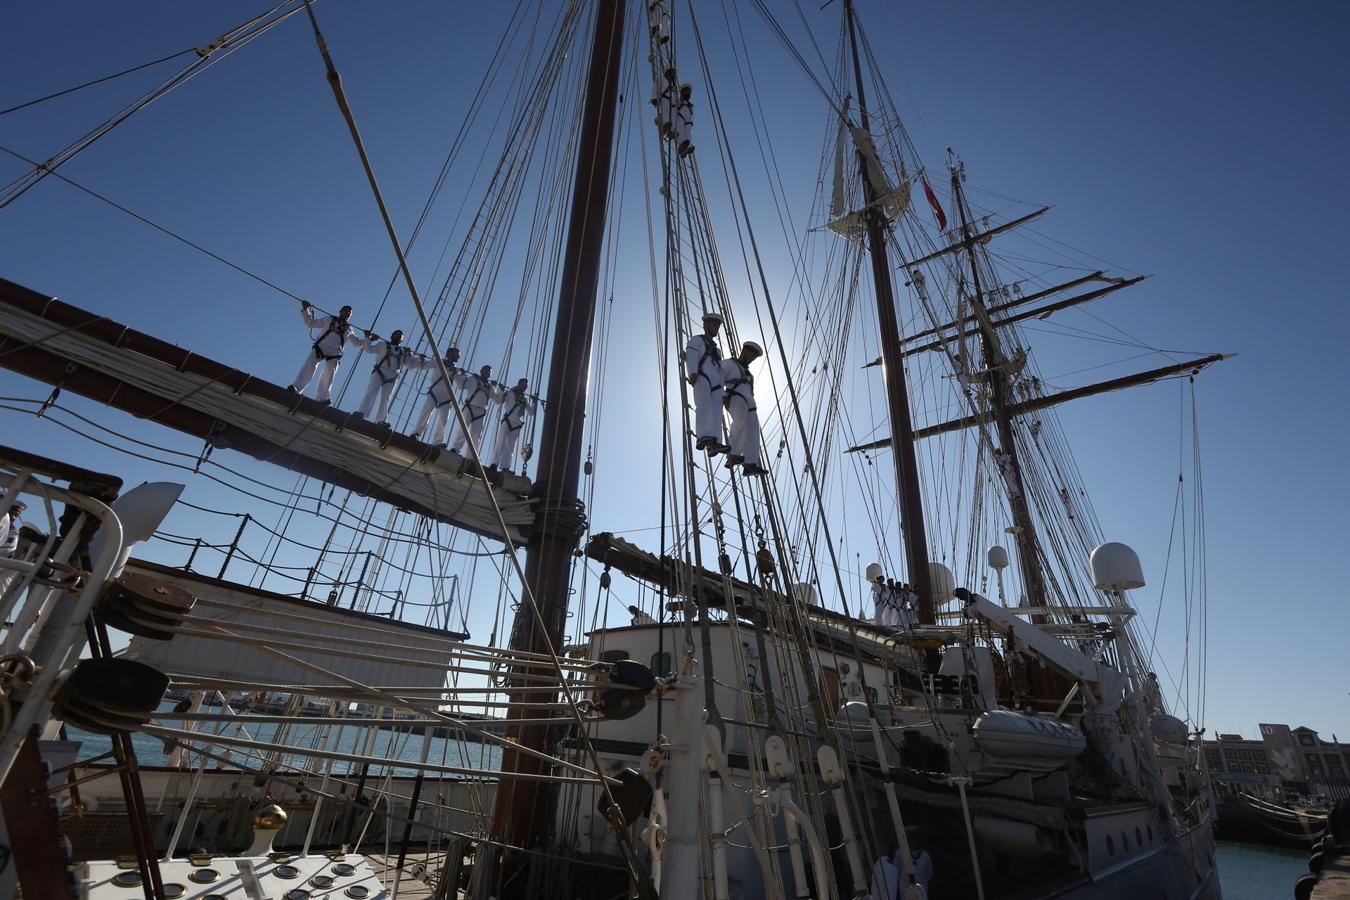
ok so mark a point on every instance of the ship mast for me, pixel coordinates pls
(897, 392)
(996, 366)
(523, 811)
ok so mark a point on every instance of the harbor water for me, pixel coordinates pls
(1256, 872)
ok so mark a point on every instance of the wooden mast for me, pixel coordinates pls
(1028, 547)
(523, 811)
(897, 392)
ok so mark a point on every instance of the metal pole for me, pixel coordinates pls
(523, 809)
(234, 545)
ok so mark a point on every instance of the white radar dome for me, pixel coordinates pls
(874, 571)
(1115, 567)
(943, 581)
(998, 557)
(804, 592)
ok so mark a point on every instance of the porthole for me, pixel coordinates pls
(127, 879)
(287, 872)
(200, 859)
(203, 876)
(342, 870)
(1124, 841)
(1110, 846)
(214, 897)
(174, 890)
(279, 856)
(357, 892)
(323, 881)
(296, 894)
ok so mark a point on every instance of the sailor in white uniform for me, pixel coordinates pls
(684, 120)
(326, 354)
(436, 408)
(658, 15)
(391, 358)
(738, 395)
(666, 98)
(516, 405)
(703, 368)
(10, 528)
(479, 392)
(886, 599)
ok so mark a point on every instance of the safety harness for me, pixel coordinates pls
(733, 386)
(441, 382)
(334, 327)
(480, 387)
(520, 405)
(713, 352)
(395, 352)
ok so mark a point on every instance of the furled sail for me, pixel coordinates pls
(893, 201)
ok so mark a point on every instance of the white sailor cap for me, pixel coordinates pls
(712, 317)
(753, 348)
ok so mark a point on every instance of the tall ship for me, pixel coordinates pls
(854, 631)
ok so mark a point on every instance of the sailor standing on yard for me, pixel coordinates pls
(517, 405)
(738, 395)
(479, 391)
(703, 368)
(391, 358)
(438, 399)
(326, 353)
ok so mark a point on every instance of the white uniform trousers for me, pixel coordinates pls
(327, 372)
(380, 395)
(707, 410)
(744, 432)
(505, 446)
(437, 416)
(477, 419)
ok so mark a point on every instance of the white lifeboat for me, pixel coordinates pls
(1017, 741)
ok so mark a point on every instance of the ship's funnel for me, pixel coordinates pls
(1115, 567)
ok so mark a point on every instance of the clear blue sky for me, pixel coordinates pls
(1204, 144)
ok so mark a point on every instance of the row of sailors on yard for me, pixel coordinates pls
(392, 359)
(896, 604)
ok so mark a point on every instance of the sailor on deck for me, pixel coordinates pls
(479, 392)
(439, 395)
(326, 353)
(517, 405)
(703, 368)
(738, 395)
(684, 120)
(391, 358)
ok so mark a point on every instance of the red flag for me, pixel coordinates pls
(937, 207)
